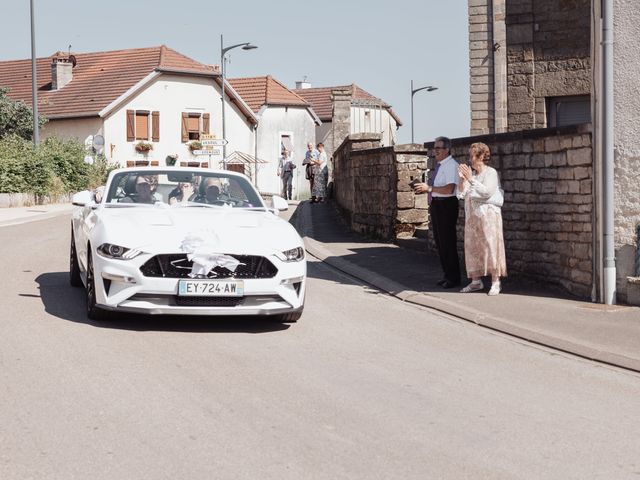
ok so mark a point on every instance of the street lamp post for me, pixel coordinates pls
(223, 52)
(428, 88)
(34, 81)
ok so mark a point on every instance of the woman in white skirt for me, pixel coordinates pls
(479, 186)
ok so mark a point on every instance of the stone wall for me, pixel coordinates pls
(626, 72)
(547, 178)
(548, 213)
(371, 186)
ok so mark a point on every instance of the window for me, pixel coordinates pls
(194, 124)
(143, 125)
(569, 110)
(285, 144)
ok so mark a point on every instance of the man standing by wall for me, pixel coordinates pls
(310, 156)
(285, 172)
(443, 209)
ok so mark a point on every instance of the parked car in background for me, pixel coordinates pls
(186, 241)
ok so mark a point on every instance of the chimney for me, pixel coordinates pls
(303, 84)
(61, 69)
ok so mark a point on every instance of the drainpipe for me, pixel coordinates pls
(608, 242)
(255, 155)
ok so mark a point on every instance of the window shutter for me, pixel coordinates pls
(185, 131)
(155, 126)
(131, 126)
(205, 123)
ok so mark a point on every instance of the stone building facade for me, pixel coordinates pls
(538, 63)
(530, 63)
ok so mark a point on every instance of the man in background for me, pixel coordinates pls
(310, 156)
(285, 172)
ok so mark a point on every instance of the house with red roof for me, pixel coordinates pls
(285, 120)
(365, 113)
(162, 98)
(153, 95)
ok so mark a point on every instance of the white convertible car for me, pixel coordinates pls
(186, 241)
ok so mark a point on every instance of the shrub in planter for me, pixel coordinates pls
(143, 147)
(195, 145)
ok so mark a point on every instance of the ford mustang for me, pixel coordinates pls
(185, 241)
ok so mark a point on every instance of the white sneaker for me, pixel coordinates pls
(495, 288)
(473, 287)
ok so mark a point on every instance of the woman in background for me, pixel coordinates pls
(320, 174)
(479, 186)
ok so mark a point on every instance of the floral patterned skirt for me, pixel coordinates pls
(484, 241)
(320, 183)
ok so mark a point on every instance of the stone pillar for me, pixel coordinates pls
(499, 49)
(340, 122)
(481, 66)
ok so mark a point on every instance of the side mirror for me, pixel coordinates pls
(279, 203)
(82, 199)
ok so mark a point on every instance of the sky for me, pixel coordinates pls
(380, 45)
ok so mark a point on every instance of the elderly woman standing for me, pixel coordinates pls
(320, 174)
(479, 186)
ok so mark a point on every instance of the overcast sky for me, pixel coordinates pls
(380, 45)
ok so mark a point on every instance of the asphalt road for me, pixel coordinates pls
(363, 387)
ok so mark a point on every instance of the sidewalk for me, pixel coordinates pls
(18, 215)
(608, 334)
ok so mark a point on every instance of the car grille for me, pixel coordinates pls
(208, 301)
(178, 266)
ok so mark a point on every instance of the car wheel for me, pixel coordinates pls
(74, 268)
(93, 312)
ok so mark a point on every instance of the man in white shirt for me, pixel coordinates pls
(443, 210)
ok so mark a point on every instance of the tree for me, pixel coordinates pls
(16, 117)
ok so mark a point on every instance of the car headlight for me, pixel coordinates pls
(110, 250)
(293, 255)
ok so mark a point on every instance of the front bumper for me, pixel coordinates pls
(121, 286)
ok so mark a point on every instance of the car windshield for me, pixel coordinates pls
(182, 188)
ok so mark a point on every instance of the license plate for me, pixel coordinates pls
(210, 288)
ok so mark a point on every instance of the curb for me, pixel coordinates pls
(499, 324)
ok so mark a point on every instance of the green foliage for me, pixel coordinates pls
(16, 117)
(55, 167)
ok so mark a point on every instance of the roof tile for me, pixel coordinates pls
(98, 78)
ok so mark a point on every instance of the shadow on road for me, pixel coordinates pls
(68, 303)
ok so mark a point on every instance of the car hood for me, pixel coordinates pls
(225, 230)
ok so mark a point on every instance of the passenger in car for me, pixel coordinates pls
(143, 189)
(184, 192)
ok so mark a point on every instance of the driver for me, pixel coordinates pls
(211, 190)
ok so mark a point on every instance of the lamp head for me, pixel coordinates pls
(248, 46)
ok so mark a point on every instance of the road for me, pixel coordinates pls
(363, 387)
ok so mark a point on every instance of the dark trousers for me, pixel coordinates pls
(287, 185)
(444, 218)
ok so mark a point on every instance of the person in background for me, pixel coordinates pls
(310, 156)
(285, 172)
(483, 238)
(443, 210)
(320, 174)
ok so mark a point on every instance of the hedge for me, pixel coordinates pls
(55, 167)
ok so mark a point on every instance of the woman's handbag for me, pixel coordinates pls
(497, 198)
